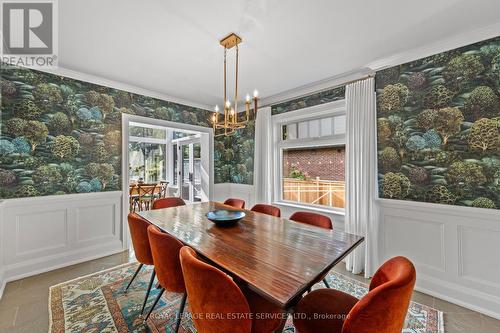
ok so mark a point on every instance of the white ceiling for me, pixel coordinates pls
(172, 47)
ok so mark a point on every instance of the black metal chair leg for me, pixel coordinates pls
(149, 290)
(154, 304)
(181, 312)
(326, 283)
(133, 276)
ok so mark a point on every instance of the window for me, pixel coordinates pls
(147, 132)
(310, 155)
(147, 153)
(147, 161)
(314, 176)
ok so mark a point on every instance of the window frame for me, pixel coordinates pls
(163, 142)
(332, 109)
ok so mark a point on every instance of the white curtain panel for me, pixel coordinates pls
(361, 175)
(263, 156)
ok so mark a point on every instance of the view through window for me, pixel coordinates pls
(312, 152)
(147, 161)
(314, 176)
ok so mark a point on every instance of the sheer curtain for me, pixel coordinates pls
(361, 177)
(263, 156)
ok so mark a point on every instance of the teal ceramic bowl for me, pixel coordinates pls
(223, 217)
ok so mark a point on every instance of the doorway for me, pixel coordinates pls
(187, 160)
(174, 157)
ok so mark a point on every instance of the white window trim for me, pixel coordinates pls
(331, 109)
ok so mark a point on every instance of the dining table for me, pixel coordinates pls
(277, 258)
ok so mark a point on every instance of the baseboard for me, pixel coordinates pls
(2, 283)
(43, 265)
(459, 295)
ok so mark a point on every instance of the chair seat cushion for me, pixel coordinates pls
(323, 310)
(267, 317)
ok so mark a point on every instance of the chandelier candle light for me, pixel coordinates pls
(231, 123)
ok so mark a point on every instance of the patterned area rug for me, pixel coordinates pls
(97, 303)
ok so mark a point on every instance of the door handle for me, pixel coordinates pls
(191, 177)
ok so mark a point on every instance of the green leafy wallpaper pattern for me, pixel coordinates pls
(439, 128)
(326, 96)
(59, 135)
(234, 156)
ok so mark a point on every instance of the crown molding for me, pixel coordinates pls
(443, 45)
(315, 87)
(61, 71)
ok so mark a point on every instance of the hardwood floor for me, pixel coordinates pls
(23, 307)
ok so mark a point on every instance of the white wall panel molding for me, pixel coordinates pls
(229, 190)
(455, 250)
(44, 233)
(2, 277)
(247, 193)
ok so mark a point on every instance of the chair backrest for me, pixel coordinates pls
(315, 219)
(139, 234)
(168, 202)
(163, 188)
(211, 291)
(385, 306)
(165, 250)
(146, 189)
(133, 189)
(236, 203)
(267, 209)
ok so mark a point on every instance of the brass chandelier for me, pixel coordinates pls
(232, 121)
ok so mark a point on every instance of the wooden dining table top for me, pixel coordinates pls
(278, 258)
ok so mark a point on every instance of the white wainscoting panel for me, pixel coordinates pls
(240, 191)
(337, 219)
(2, 277)
(44, 233)
(247, 193)
(455, 250)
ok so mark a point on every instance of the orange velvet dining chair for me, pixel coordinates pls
(317, 220)
(266, 209)
(139, 234)
(211, 291)
(236, 203)
(314, 219)
(168, 202)
(382, 310)
(165, 250)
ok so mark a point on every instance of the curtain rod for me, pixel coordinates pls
(360, 79)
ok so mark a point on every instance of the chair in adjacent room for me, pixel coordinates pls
(165, 250)
(168, 202)
(146, 195)
(317, 220)
(382, 310)
(236, 203)
(139, 234)
(266, 209)
(212, 291)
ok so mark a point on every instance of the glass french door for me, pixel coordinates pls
(188, 170)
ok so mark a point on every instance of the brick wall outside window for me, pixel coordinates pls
(325, 163)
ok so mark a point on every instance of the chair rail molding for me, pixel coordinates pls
(40, 234)
(455, 250)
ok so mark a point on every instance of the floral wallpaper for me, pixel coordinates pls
(322, 97)
(60, 135)
(439, 128)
